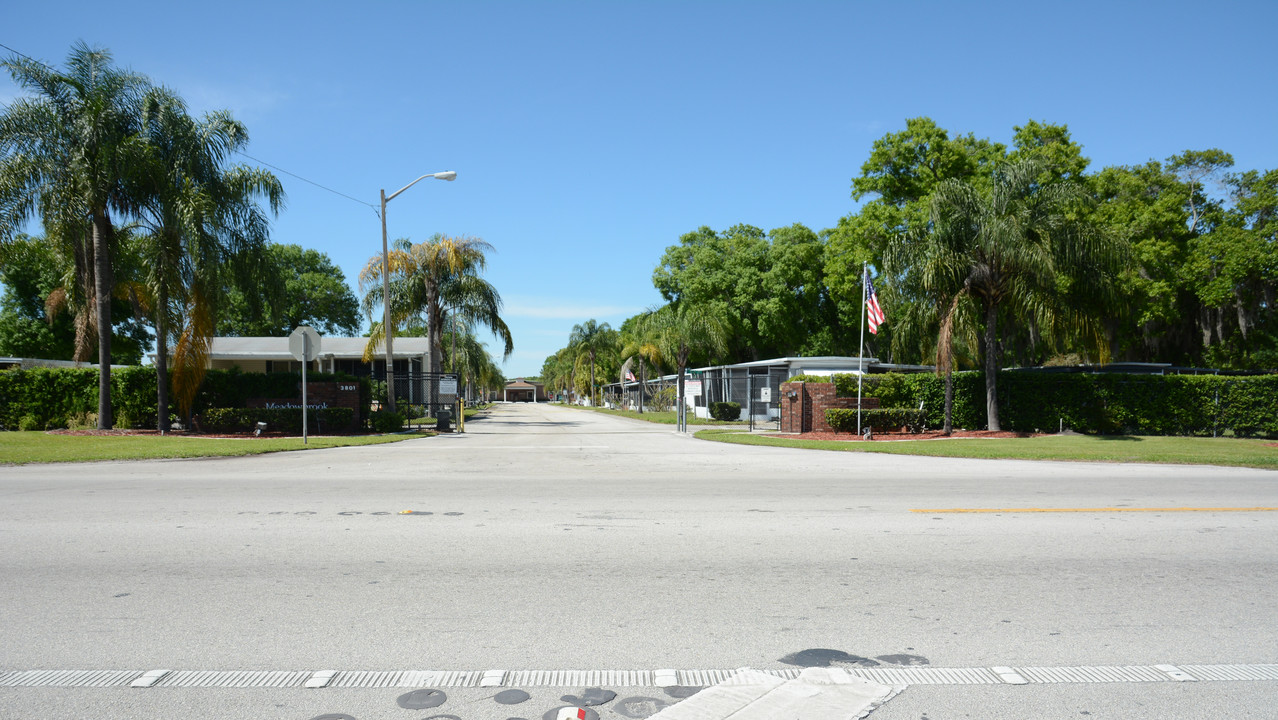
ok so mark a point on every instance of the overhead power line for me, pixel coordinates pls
(312, 182)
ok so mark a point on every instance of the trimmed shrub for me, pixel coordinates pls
(276, 419)
(880, 419)
(385, 421)
(725, 411)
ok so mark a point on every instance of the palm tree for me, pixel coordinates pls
(1010, 250)
(638, 344)
(588, 341)
(435, 278)
(203, 223)
(559, 372)
(73, 146)
(468, 357)
(679, 329)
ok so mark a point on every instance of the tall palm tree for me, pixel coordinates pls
(1012, 250)
(73, 145)
(434, 278)
(559, 372)
(588, 341)
(203, 223)
(468, 357)
(638, 343)
(680, 329)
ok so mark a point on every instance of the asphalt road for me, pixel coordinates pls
(555, 539)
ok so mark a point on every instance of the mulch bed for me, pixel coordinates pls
(887, 437)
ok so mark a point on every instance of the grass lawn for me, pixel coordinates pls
(1092, 448)
(38, 447)
(666, 418)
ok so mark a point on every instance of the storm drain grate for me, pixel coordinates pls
(234, 678)
(1095, 674)
(1232, 672)
(406, 678)
(585, 678)
(68, 678)
(928, 676)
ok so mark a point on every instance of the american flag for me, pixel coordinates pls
(872, 310)
(630, 377)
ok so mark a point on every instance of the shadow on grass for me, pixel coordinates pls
(1128, 438)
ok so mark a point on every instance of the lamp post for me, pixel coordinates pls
(386, 313)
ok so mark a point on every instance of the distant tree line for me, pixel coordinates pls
(987, 256)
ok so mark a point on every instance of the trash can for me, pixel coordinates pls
(442, 418)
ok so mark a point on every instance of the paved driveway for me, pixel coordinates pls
(551, 539)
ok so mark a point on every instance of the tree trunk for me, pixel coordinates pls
(102, 283)
(991, 366)
(593, 403)
(682, 410)
(161, 363)
(642, 383)
(949, 401)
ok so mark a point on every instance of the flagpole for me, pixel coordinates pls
(860, 354)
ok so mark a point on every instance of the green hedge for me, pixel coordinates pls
(725, 411)
(385, 421)
(49, 397)
(1116, 403)
(881, 419)
(277, 420)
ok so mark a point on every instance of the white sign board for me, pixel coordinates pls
(765, 394)
(692, 388)
(448, 386)
(304, 341)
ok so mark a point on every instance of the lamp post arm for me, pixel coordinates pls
(447, 175)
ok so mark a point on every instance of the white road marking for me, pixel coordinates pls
(321, 679)
(148, 678)
(1009, 676)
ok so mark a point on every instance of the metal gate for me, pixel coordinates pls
(756, 389)
(425, 394)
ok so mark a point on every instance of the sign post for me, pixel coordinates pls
(304, 344)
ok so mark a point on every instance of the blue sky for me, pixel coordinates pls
(588, 136)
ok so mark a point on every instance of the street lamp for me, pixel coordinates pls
(386, 313)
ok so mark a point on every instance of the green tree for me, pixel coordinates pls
(896, 183)
(1052, 146)
(469, 358)
(639, 343)
(681, 329)
(769, 287)
(1153, 319)
(310, 290)
(1019, 249)
(31, 271)
(589, 341)
(430, 279)
(1236, 265)
(203, 228)
(68, 151)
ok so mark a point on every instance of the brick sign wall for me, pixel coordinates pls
(319, 395)
(803, 406)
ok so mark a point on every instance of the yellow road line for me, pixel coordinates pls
(1095, 510)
